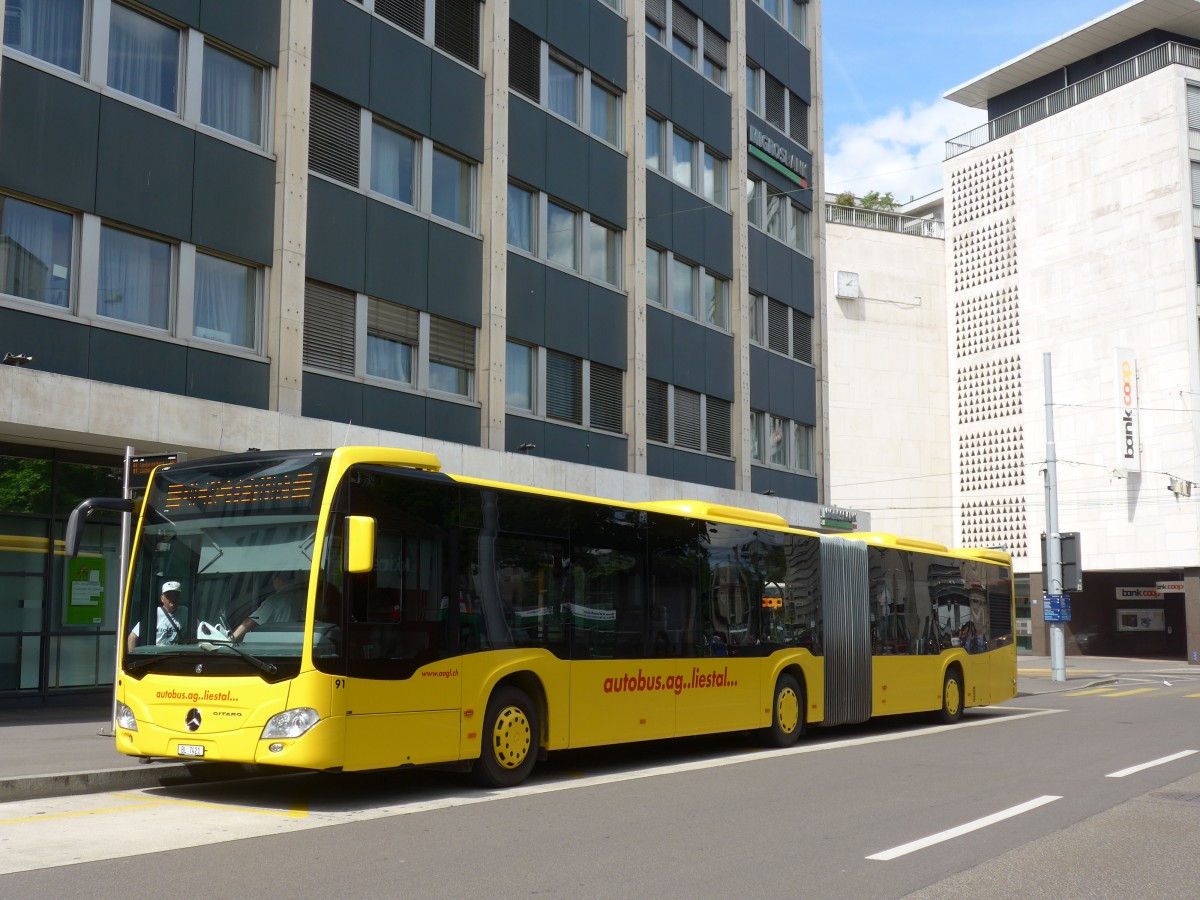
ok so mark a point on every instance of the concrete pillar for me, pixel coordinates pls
(821, 320)
(1191, 613)
(635, 237)
(739, 290)
(1037, 617)
(284, 326)
(493, 215)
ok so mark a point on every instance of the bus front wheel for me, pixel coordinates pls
(787, 713)
(510, 739)
(952, 697)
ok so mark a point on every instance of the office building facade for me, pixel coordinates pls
(1073, 232)
(564, 242)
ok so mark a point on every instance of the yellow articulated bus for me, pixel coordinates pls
(360, 609)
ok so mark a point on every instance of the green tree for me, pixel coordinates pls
(882, 202)
(845, 198)
(24, 485)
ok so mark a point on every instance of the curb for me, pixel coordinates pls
(67, 784)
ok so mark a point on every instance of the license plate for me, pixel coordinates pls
(191, 750)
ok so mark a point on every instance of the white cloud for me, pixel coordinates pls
(901, 152)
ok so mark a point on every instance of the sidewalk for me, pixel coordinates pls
(60, 751)
(1034, 674)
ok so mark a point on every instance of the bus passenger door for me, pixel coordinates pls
(402, 693)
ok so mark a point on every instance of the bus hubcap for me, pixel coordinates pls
(952, 697)
(511, 738)
(788, 710)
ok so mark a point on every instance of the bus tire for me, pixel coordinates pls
(787, 713)
(952, 697)
(510, 739)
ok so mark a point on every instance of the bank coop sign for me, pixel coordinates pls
(1129, 441)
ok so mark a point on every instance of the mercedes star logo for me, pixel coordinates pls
(192, 720)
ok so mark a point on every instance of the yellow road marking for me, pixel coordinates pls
(297, 811)
(1191, 695)
(77, 813)
(1134, 691)
(1099, 690)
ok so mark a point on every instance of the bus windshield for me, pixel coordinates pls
(222, 565)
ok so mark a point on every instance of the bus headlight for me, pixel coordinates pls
(290, 723)
(126, 720)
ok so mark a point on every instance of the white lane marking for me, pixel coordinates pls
(41, 833)
(924, 842)
(1149, 765)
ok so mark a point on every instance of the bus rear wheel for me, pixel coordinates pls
(510, 739)
(952, 697)
(787, 713)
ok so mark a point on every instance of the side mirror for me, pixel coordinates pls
(79, 518)
(360, 543)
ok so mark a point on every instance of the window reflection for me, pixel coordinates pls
(51, 30)
(36, 245)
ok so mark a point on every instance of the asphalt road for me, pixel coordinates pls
(1085, 793)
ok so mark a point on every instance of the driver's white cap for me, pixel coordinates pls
(171, 586)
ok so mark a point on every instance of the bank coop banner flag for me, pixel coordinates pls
(1129, 441)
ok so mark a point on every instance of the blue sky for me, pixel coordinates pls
(887, 65)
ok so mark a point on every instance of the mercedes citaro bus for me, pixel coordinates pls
(433, 618)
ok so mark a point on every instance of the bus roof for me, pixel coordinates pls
(699, 509)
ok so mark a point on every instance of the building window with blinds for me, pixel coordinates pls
(385, 340)
(687, 419)
(656, 20)
(393, 335)
(454, 28)
(407, 14)
(451, 356)
(333, 137)
(718, 431)
(363, 151)
(657, 411)
(1196, 194)
(779, 327)
(329, 315)
(564, 387)
(564, 87)
(606, 404)
(691, 40)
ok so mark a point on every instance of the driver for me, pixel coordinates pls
(285, 604)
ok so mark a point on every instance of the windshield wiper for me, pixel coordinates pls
(306, 546)
(220, 552)
(260, 664)
(210, 646)
(138, 664)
